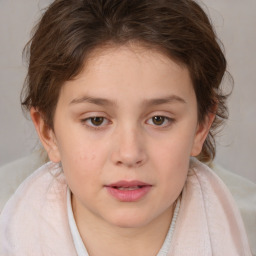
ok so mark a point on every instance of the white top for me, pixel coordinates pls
(79, 245)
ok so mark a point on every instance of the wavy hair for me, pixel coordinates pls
(70, 30)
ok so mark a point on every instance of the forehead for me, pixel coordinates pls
(129, 69)
(124, 57)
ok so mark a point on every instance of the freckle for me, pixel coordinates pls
(83, 157)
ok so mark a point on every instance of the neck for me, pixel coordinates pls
(102, 238)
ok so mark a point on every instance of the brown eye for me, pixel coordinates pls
(158, 120)
(97, 121)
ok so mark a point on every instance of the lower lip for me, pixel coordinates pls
(129, 195)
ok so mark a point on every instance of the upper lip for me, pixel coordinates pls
(127, 184)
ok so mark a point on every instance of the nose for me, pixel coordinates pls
(130, 148)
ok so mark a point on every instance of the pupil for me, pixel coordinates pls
(158, 120)
(97, 121)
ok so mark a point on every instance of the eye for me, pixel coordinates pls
(96, 121)
(160, 121)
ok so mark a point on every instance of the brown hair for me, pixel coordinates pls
(70, 30)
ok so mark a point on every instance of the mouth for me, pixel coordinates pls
(128, 188)
(128, 191)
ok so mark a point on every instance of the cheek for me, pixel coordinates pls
(77, 146)
(82, 159)
(173, 150)
(82, 169)
(173, 178)
(174, 167)
(171, 159)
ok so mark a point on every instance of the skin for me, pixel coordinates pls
(127, 86)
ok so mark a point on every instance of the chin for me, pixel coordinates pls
(132, 220)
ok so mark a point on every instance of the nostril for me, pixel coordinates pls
(139, 162)
(119, 163)
(129, 164)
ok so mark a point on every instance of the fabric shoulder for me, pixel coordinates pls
(244, 193)
(220, 202)
(34, 187)
(14, 173)
(36, 212)
(208, 217)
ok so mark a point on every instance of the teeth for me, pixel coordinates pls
(128, 188)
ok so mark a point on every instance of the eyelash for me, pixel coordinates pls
(166, 122)
(88, 122)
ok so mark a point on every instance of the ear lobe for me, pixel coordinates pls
(46, 135)
(201, 134)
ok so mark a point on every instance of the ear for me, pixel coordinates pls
(201, 134)
(46, 135)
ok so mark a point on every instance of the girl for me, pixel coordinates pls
(124, 95)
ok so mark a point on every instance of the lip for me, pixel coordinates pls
(128, 191)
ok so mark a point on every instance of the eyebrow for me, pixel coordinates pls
(106, 102)
(165, 100)
(96, 101)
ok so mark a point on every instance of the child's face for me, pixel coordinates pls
(124, 131)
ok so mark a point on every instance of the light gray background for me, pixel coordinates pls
(235, 23)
